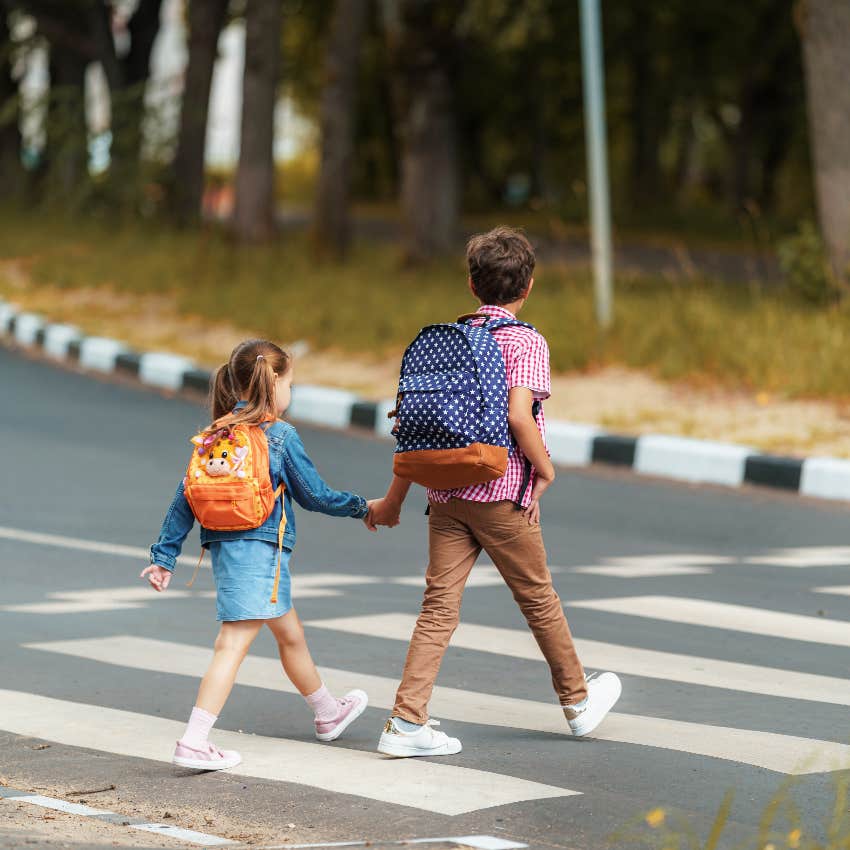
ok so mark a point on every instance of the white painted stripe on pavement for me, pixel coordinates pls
(721, 615)
(781, 753)
(479, 842)
(441, 788)
(649, 566)
(60, 805)
(189, 835)
(117, 598)
(43, 539)
(597, 655)
(201, 838)
(805, 556)
(838, 589)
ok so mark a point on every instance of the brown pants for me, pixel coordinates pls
(457, 532)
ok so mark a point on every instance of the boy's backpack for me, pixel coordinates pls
(228, 483)
(452, 406)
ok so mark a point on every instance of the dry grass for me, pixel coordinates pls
(697, 358)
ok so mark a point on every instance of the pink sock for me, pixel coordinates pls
(198, 729)
(324, 706)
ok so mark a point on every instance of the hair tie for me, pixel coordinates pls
(260, 357)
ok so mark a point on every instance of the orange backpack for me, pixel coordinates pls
(228, 484)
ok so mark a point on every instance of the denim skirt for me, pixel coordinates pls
(244, 572)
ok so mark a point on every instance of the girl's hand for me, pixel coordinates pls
(159, 577)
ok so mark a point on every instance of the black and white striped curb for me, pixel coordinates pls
(570, 444)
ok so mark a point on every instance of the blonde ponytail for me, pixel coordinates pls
(248, 376)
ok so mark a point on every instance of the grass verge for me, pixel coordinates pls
(701, 331)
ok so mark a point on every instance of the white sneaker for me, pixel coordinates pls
(602, 692)
(423, 742)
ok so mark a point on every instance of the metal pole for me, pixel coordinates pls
(593, 74)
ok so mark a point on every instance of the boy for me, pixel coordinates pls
(466, 520)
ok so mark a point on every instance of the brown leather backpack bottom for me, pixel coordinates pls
(445, 469)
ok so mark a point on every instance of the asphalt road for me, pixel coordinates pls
(726, 614)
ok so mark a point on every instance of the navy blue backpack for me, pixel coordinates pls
(452, 406)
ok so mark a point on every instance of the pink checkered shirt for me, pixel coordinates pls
(526, 355)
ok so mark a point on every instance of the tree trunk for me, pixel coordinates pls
(825, 31)
(11, 170)
(206, 18)
(644, 118)
(143, 28)
(254, 212)
(422, 43)
(67, 131)
(331, 224)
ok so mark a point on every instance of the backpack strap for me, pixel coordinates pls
(526, 472)
(280, 529)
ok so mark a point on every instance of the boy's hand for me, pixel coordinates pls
(159, 577)
(542, 482)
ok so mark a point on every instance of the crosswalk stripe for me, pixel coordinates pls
(40, 538)
(434, 787)
(780, 753)
(122, 598)
(597, 655)
(650, 566)
(804, 556)
(838, 589)
(721, 615)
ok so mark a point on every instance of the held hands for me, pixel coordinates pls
(159, 577)
(382, 512)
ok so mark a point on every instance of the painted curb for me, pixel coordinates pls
(571, 444)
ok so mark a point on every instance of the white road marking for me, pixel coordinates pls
(648, 566)
(597, 655)
(60, 805)
(781, 753)
(42, 539)
(181, 834)
(720, 615)
(435, 787)
(189, 835)
(118, 598)
(482, 575)
(838, 589)
(479, 842)
(805, 556)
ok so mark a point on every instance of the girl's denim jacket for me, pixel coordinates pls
(288, 463)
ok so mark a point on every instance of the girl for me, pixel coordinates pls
(254, 388)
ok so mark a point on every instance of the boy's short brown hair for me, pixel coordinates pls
(501, 263)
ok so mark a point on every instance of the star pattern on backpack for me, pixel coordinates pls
(452, 390)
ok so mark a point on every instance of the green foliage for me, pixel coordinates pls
(699, 331)
(804, 262)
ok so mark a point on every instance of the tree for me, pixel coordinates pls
(11, 169)
(825, 31)
(206, 18)
(331, 225)
(254, 212)
(422, 45)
